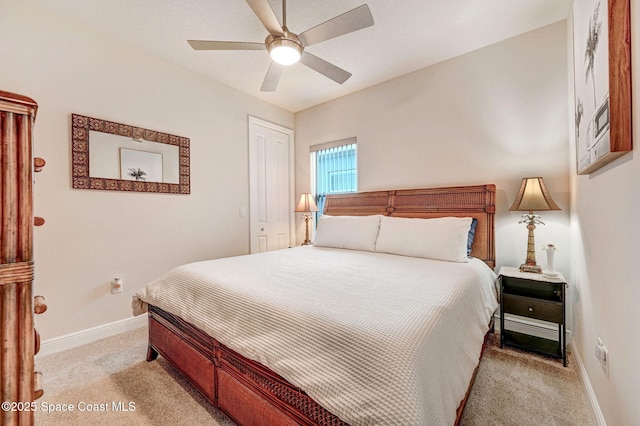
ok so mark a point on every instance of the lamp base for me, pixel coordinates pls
(530, 268)
(307, 240)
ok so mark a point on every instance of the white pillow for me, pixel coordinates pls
(348, 232)
(439, 238)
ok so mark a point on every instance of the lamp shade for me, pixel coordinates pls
(306, 204)
(533, 196)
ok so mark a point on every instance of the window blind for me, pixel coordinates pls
(336, 171)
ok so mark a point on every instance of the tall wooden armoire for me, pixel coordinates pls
(19, 340)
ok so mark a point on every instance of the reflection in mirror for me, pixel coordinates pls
(118, 157)
(113, 157)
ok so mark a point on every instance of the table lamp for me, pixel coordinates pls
(306, 205)
(533, 196)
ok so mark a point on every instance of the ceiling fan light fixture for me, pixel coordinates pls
(287, 48)
(284, 51)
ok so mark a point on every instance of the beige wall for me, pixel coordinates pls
(92, 236)
(605, 254)
(495, 115)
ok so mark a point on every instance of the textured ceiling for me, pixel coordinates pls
(407, 35)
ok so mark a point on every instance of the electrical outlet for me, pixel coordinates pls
(602, 353)
(116, 285)
(599, 346)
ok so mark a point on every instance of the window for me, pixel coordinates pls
(334, 169)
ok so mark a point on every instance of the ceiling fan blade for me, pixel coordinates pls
(272, 78)
(325, 68)
(265, 14)
(354, 20)
(224, 45)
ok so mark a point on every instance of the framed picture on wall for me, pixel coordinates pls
(602, 79)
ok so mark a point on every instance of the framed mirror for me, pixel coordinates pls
(118, 157)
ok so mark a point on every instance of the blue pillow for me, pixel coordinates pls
(472, 235)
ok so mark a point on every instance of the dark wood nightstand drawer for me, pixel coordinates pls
(531, 288)
(532, 308)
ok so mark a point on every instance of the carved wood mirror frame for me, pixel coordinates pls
(81, 177)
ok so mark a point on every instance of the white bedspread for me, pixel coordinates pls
(374, 338)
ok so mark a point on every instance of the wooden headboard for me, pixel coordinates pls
(477, 201)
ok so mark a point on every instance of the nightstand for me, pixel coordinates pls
(533, 296)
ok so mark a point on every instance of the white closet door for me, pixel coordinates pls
(270, 173)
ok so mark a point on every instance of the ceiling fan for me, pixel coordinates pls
(287, 48)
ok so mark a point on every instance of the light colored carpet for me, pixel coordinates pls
(512, 388)
(520, 388)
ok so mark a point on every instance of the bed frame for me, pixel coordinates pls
(252, 394)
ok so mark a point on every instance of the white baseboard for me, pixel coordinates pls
(530, 327)
(89, 335)
(582, 371)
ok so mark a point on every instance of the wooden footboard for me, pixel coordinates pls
(248, 392)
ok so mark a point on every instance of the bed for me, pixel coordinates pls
(358, 336)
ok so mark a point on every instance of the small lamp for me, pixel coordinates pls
(533, 196)
(306, 206)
